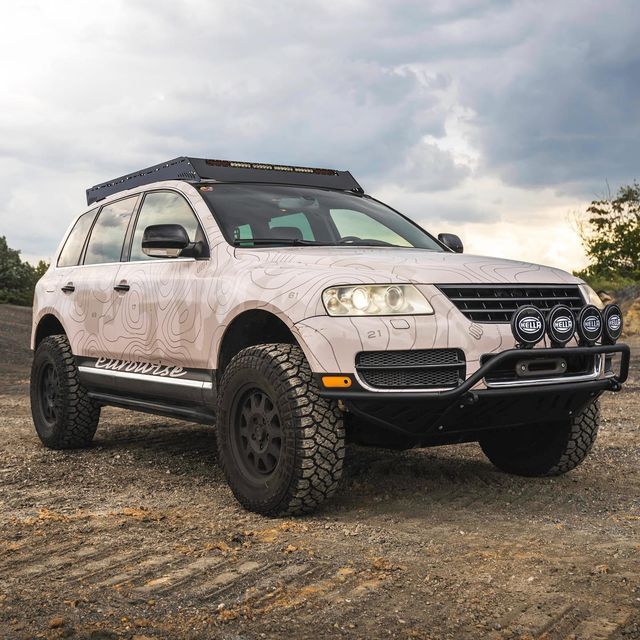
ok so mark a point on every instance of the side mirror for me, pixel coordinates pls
(164, 240)
(452, 241)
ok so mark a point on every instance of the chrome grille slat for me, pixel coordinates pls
(520, 299)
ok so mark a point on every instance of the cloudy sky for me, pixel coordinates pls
(495, 120)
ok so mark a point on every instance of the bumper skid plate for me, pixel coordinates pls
(457, 414)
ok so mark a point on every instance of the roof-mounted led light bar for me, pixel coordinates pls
(199, 169)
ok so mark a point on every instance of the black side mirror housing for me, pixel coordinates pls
(164, 240)
(452, 241)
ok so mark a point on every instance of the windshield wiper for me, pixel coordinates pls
(365, 242)
(248, 242)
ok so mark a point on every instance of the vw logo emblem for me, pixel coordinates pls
(530, 324)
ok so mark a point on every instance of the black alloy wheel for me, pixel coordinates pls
(64, 415)
(257, 442)
(48, 388)
(281, 444)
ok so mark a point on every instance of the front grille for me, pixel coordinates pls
(417, 368)
(496, 303)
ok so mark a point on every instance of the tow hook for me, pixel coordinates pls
(468, 399)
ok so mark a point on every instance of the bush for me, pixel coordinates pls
(17, 278)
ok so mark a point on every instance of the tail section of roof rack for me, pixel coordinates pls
(199, 169)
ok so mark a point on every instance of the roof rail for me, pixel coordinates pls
(198, 169)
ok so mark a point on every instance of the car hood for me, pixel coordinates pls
(418, 266)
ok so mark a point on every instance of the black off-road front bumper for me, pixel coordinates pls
(461, 413)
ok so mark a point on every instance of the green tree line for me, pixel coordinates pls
(17, 278)
(610, 233)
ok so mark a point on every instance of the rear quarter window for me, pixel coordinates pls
(70, 254)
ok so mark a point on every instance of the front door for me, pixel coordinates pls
(160, 309)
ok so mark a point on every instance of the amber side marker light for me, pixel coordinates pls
(341, 382)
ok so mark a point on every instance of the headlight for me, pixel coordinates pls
(590, 296)
(375, 300)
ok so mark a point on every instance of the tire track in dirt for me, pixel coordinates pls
(139, 536)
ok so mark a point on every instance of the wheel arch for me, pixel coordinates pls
(48, 325)
(252, 327)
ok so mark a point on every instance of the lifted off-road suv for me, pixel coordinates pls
(293, 311)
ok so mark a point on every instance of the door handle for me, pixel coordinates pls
(122, 287)
(68, 288)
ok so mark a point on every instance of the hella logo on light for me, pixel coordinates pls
(614, 322)
(591, 323)
(530, 325)
(562, 324)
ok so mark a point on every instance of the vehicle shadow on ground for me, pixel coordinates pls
(161, 439)
(376, 480)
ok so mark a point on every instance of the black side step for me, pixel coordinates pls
(193, 414)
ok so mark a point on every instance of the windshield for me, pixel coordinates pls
(267, 215)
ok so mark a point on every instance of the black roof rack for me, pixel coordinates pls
(198, 169)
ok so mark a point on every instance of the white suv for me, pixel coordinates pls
(291, 310)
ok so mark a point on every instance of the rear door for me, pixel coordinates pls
(92, 317)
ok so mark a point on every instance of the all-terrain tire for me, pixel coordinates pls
(63, 414)
(549, 449)
(269, 401)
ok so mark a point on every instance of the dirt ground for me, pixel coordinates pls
(139, 537)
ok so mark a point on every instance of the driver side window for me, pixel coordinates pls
(163, 207)
(359, 225)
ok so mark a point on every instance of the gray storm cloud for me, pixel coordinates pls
(550, 92)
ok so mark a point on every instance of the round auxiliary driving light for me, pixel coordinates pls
(527, 326)
(611, 323)
(561, 325)
(589, 324)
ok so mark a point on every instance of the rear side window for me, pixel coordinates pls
(70, 254)
(163, 207)
(107, 236)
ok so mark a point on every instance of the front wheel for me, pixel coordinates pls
(545, 449)
(281, 446)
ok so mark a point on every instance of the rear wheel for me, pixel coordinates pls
(63, 414)
(281, 446)
(547, 449)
